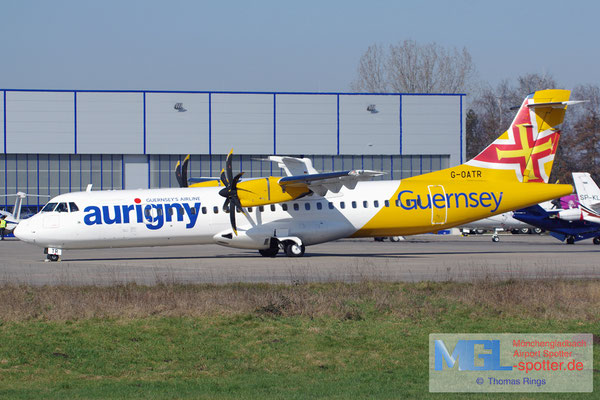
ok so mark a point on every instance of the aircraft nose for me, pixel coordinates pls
(23, 231)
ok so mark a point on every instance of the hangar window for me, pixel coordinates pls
(376, 203)
(296, 207)
(73, 207)
(353, 204)
(49, 207)
(62, 207)
(272, 207)
(319, 206)
(307, 206)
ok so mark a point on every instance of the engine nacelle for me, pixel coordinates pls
(572, 214)
(263, 191)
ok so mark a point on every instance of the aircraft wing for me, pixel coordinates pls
(320, 183)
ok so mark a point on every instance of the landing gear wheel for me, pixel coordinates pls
(53, 257)
(269, 252)
(293, 250)
(394, 239)
(597, 240)
(495, 239)
(538, 231)
(570, 240)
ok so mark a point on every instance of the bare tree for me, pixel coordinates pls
(579, 149)
(412, 68)
(371, 69)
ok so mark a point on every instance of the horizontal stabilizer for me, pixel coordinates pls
(556, 104)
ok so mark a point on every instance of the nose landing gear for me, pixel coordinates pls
(52, 254)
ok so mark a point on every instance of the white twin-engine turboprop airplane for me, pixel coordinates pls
(307, 207)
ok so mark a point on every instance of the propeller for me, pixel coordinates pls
(230, 190)
(181, 172)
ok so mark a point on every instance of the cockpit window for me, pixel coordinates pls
(62, 207)
(73, 207)
(49, 207)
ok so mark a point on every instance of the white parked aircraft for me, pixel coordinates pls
(289, 213)
(13, 218)
(498, 223)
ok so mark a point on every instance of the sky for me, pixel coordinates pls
(264, 45)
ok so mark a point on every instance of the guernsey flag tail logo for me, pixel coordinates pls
(529, 145)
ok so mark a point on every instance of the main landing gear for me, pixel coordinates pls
(291, 248)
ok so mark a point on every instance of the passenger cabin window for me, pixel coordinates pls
(215, 209)
(365, 204)
(284, 207)
(353, 204)
(319, 206)
(307, 206)
(249, 209)
(386, 203)
(376, 203)
(203, 210)
(397, 203)
(62, 207)
(296, 207)
(73, 207)
(272, 207)
(49, 207)
(331, 206)
(261, 208)
(342, 205)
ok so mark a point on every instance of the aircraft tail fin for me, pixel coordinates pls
(587, 190)
(529, 145)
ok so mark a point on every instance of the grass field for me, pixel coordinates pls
(364, 340)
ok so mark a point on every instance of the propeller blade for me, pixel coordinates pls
(184, 173)
(228, 163)
(224, 179)
(236, 180)
(232, 218)
(178, 173)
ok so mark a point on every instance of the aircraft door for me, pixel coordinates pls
(439, 211)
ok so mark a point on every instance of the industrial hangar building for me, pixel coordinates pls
(58, 141)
